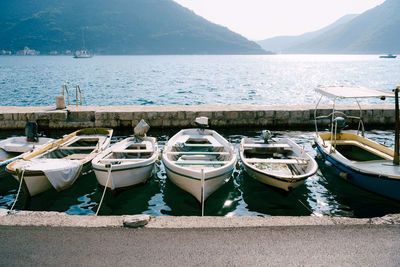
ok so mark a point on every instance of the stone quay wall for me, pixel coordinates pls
(220, 116)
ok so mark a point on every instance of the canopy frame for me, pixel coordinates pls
(345, 92)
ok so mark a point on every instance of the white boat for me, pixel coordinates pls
(58, 164)
(355, 158)
(127, 163)
(282, 164)
(14, 148)
(82, 54)
(199, 161)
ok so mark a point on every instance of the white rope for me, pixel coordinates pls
(202, 192)
(19, 189)
(105, 188)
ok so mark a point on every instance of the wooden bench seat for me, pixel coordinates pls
(199, 162)
(278, 161)
(272, 146)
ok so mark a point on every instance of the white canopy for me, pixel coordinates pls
(351, 92)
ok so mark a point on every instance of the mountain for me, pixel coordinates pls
(115, 27)
(282, 43)
(375, 31)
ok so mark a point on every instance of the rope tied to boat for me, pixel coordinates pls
(109, 166)
(19, 187)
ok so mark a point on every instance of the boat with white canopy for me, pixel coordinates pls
(279, 163)
(58, 164)
(199, 160)
(357, 159)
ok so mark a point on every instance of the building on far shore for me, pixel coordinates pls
(28, 52)
(5, 52)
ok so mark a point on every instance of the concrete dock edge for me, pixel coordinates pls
(60, 219)
(220, 116)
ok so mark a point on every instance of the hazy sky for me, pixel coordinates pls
(260, 19)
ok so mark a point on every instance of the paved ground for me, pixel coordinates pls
(332, 245)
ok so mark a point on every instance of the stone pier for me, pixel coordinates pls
(220, 116)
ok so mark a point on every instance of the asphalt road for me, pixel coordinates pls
(339, 245)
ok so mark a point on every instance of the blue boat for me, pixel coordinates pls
(355, 158)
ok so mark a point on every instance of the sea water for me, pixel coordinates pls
(189, 80)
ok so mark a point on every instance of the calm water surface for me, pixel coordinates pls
(322, 194)
(188, 80)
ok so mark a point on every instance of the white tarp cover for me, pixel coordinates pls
(60, 172)
(351, 92)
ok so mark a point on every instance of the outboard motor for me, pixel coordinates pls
(339, 123)
(266, 135)
(201, 122)
(31, 131)
(141, 129)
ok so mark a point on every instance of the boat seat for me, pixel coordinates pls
(76, 156)
(202, 145)
(200, 162)
(77, 147)
(251, 146)
(198, 153)
(120, 160)
(279, 161)
(133, 151)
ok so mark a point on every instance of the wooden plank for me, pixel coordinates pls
(77, 147)
(266, 146)
(133, 151)
(187, 162)
(197, 153)
(122, 160)
(278, 161)
(201, 145)
(76, 156)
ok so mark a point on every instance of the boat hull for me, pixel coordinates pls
(191, 182)
(284, 184)
(376, 183)
(124, 178)
(35, 181)
(214, 162)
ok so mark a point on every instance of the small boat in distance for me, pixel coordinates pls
(388, 56)
(355, 158)
(199, 160)
(58, 164)
(129, 162)
(84, 53)
(279, 163)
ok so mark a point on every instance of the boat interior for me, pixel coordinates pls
(356, 148)
(133, 150)
(77, 148)
(277, 158)
(199, 151)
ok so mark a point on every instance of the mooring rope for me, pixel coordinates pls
(19, 189)
(105, 188)
(202, 191)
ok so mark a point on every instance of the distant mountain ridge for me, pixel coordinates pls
(375, 31)
(281, 43)
(115, 27)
